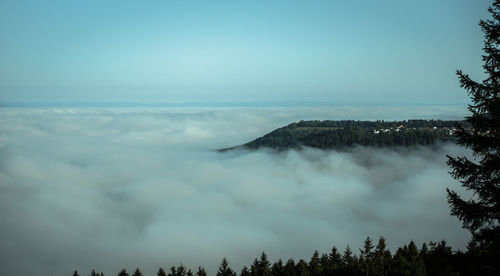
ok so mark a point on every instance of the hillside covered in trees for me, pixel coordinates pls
(342, 134)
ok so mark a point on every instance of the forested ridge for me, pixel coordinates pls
(343, 134)
(373, 259)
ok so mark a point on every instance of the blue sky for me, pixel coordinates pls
(163, 51)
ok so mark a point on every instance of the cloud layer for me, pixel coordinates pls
(142, 187)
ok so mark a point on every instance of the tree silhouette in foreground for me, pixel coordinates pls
(224, 269)
(123, 272)
(137, 273)
(201, 271)
(481, 213)
(161, 272)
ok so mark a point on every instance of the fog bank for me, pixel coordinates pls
(112, 188)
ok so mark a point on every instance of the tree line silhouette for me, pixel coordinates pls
(433, 259)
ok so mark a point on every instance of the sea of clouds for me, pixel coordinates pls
(125, 187)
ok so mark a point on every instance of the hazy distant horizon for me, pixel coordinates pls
(284, 103)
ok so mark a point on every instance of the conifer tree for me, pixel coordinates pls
(277, 268)
(173, 271)
(201, 271)
(264, 265)
(335, 261)
(224, 269)
(440, 256)
(415, 259)
(335, 258)
(254, 268)
(261, 267)
(481, 175)
(324, 262)
(347, 258)
(424, 250)
(123, 272)
(137, 272)
(366, 256)
(290, 268)
(314, 267)
(181, 270)
(161, 272)
(302, 269)
(75, 273)
(245, 272)
(381, 258)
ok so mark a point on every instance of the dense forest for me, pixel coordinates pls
(433, 259)
(344, 134)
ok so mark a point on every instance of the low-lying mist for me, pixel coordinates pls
(112, 188)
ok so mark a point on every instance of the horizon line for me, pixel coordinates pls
(297, 103)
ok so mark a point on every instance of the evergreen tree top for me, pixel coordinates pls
(481, 213)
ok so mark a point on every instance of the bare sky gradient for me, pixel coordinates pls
(396, 51)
